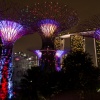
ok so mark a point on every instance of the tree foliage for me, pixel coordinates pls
(38, 83)
(80, 72)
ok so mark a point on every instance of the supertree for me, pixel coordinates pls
(27, 19)
(9, 31)
(57, 54)
(12, 27)
(51, 19)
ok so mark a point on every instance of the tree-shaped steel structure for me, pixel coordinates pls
(12, 27)
(9, 31)
(27, 19)
(52, 18)
(57, 55)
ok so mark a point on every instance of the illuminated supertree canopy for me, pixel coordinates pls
(10, 31)
(55, 16)
(48, 27)
(38, 53)
(97, 34)
(50, 19)
(27, 19)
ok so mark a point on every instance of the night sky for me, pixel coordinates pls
(84, 8)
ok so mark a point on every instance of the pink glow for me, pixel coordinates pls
(48, 29)
(10, 31)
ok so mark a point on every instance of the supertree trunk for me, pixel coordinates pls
(6, 73)
(9, 31)
(48, 42)
(48, 60)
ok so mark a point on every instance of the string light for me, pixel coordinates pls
(62, 14)
(48, 27)
(9, 31)
(77, 42)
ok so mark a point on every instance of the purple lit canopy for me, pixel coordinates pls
(54, 17)
(97, 34)
(48, 27)
(10, 31)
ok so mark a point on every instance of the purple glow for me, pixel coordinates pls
(97, 34)
(59, 53)
(10, 31)
(58, 68)
(48, 27)
(38, 53)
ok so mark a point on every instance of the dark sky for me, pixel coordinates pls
(84, 8)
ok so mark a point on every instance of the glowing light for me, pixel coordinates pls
(59, 53)
(62, 14)
(10, 31)
(77, 42)
(48, 27)
(38, 53)
(6, 74)
(97, 34)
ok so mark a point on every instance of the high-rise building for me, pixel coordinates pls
(82, 41)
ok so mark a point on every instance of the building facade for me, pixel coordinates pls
(82, 41)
